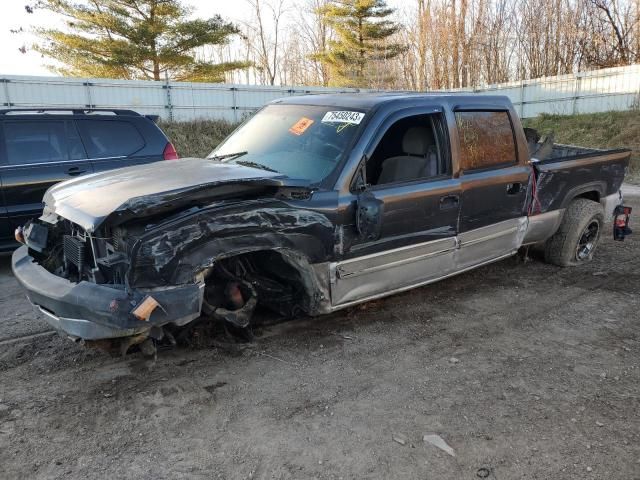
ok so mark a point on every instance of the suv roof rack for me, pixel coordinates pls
(75, 111)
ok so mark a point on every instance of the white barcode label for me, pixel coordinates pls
(343, 117)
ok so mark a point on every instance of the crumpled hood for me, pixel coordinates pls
(88, 201)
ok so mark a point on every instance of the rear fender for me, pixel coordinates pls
(554, 193)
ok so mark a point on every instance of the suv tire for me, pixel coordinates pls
(577, 238)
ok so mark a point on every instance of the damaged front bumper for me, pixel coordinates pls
(93, 312)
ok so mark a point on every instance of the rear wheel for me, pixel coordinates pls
(577, 238)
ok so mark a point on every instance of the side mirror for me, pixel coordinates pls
(369, 216)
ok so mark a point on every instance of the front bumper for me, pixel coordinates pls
(90, 311)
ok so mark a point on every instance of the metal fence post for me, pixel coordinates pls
(168, 106)
(576, 93)
(5, 82)
(89, 103)
(234, 104)
(522, 87)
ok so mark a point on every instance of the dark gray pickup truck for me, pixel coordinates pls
(314, 204)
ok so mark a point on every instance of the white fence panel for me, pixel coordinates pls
(595, 91)
(585, 92)
(170, 100)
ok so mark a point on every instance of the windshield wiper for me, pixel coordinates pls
(227, 155)
(248, 163)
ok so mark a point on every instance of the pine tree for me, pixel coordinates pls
(363, 32)
(133, 39)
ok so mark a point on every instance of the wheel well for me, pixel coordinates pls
(284, 281)
(591, 195)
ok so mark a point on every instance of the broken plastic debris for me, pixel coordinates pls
(437, 441)
(399, 438)
(144, 310)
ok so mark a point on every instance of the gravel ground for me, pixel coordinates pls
(526, 370)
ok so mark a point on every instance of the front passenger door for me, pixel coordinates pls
(414, 242)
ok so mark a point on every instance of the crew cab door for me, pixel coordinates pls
(494, 182)
(37, 153)
(407, 205)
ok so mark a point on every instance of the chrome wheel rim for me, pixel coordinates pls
(588, 240)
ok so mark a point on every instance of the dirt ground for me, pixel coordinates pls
(526, 370)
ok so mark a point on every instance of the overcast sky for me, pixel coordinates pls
(14, 16)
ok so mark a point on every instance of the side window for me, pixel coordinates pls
(35, 142)
(76, 148)
(409, 150)
(110, 138)
(486, 139)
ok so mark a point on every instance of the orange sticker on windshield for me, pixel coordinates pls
(301, 126)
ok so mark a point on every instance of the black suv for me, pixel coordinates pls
(40, 147)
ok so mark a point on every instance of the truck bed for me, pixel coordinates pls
(563, 153)
(568, 171)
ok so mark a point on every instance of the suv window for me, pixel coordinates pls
(110, 138)
(35, 142)
(409, 150)
(486, 139)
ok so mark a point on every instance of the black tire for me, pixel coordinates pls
(577, 238)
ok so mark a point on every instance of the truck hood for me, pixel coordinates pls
(146, 189)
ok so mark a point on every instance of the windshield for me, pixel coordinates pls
(299, 141)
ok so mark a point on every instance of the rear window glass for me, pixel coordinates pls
(110, 138)
(486, 139)
(35, 142)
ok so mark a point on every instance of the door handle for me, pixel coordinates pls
(514, 188)
(73, 171)
(449, 201)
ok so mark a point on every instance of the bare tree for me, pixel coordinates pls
(266, 40)
(614, 28)
(452, 43)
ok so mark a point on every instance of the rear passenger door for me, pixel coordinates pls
(494, 187)
(112, 143)
(37, 154)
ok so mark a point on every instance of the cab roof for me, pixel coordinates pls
(367, 101)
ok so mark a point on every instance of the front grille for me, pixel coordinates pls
(74, 251)
(118, 240)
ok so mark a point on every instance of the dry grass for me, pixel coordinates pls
(596, 130)
(198, 138)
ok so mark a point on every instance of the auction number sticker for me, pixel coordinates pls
(343, 116)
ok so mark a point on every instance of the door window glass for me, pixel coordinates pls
(408, 151)
(35, 142)
(486, 139)
(110, 138)
(76, 149)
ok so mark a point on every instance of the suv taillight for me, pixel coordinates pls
(169, 152)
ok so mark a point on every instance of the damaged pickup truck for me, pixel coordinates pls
(314, 204)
